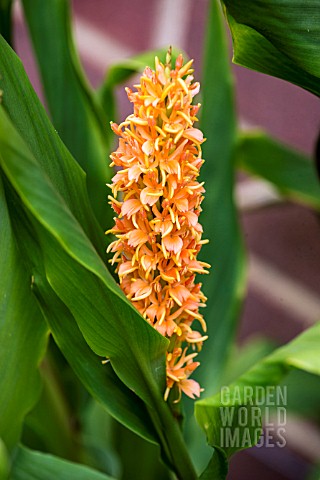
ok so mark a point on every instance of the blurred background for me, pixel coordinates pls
(282, 239)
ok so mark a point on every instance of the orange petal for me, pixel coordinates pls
(172, 243)
(136, 237)
(194, 134)
(134, 173)
(182, 204)
(192, 218)
(150, 196)
(130, 207)
(166, 328)
(190, 387)
(179, 293)
(152, 311)
(148, 147)
(166, 227)
(126, 268)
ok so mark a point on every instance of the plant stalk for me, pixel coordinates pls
(172, 441)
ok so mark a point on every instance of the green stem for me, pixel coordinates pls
(172, 441)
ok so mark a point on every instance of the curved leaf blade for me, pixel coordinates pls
(75, 113)
(29, 464)
(302, 353)
(23, 335)
(69, 254)
(292, 26)
(255, 50)
(100, 380)
(290, 172)
(31, 121)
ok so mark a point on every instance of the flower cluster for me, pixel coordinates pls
(157, 198)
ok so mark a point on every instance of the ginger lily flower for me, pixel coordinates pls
(157, 198)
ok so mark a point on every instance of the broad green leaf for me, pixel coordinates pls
(293, 26)
(302, 353)
(32, 465)
(23, 334)
(31, 121)
(99, 379)
(120, 72)
(244, 357)
(113, 331)
(279, 38)
(5, 19)
(74, 251)
(304, 394)
(216, 470)
(110, 324)
(76, 115)
(292, 174)
(48, 423)
(224, 287)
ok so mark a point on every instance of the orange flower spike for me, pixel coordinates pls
(157, 198)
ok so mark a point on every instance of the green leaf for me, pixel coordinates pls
(120, 72)
(75, 113)
(23, 335)
(293, 26)
(97, 438)
(302, 353)
(67, 251)
(217, 467)
(4, 461)
(32, 465)
(5, 19)
(304, 395)
(279, 38)
(224, 287)
(110, 324)
(244, 357)
(100, 380)
(31, 121)
(112, 329)
(290, 172)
